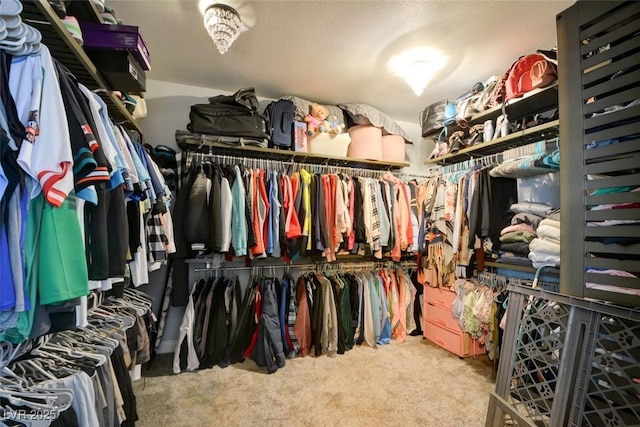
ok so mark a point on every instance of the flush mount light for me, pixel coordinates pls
(223, 25)
(418, 66)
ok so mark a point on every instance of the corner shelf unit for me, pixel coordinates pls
(196, 144)
(534, 102)
(517, 139)
(519, 267)
(63, 47)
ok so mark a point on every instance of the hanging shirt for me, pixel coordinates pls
(116, 177)
(186, 332)
(142, 172)
(46, 155)
(269, 219)
(305, 178)
(63, 267)
(226, 204)
(85, 145)
(264, 207)
(368, 313)
(7, 289)
(139, 265)
(329, 339)
(344, 220)
(385, 225)
(123, 149)
(408, 228)
(255, 223)
(352, 214)
(302, 327)
(292, 226)
(385, 321)
(275, 215)
(109, 127)
(238, 218)
(413, 205)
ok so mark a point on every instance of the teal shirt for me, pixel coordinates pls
(238, 219)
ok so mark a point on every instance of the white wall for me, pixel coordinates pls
(542, 189)
(168, 106)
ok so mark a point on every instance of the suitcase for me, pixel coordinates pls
(280, 123)
(227, 120)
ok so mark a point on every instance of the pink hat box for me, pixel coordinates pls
(329, 144)
(393, 149)
(366, 142)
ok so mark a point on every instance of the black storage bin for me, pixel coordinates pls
(120, 69)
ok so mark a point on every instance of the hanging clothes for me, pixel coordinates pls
(288, 215)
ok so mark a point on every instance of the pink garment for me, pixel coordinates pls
(352, 214)
(302, 326)
(396, 252)
(518, 227)
(407, 224)
(292, 225)
(401, 329)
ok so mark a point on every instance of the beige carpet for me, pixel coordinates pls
(415, 383)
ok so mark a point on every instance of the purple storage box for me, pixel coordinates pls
(119, 37)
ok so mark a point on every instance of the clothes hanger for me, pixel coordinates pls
(63, 369)
(80, 342)
(116, 325)
(101, 335)
(105, 343)
(31, 373)
(35, 397)
(139, 308)
(70, 355)
(120, 318)
(137, 296)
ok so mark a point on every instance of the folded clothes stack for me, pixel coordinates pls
(545, 249)
(515, 240)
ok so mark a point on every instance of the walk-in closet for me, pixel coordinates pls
(319, 213)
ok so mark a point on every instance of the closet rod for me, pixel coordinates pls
(432, 172)
(536, 148)
(487, 160)
(281, 164)
(320, 265)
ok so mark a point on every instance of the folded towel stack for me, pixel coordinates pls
(545, 249)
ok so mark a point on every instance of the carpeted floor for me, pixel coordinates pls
(415, 383)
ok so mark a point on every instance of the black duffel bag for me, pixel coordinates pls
(226, 120)
(245, 97)
(229, 115)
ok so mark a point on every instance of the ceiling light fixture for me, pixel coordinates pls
(418, 66)
(223, 25)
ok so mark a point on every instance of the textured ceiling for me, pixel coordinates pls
(337, 51)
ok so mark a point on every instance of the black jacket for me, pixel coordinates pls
(269, 349)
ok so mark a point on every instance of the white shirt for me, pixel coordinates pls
(49, 160)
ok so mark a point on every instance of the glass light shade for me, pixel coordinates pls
(223, 25)
(418, 66)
